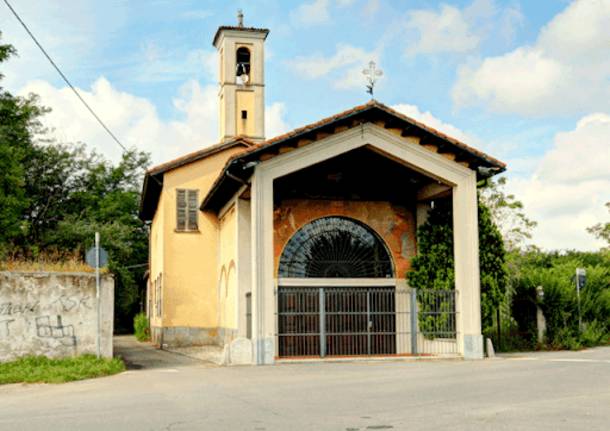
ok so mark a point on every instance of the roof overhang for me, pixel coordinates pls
(242, 31)
(239, 168)
(153, 180)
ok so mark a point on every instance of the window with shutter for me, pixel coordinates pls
(187, 210)
(192, 209)
(180, 209)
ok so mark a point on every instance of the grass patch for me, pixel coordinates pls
(47, 262)
(40, 369)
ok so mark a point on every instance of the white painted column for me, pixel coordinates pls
(467, 277)
(244, 267)
(263, 297)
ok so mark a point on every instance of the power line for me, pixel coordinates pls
(67, 81)
(99, 120)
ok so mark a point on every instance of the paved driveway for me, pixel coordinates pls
(550, 391)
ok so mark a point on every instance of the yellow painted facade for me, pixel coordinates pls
(187, 261)
(245, 103)
(227, 280)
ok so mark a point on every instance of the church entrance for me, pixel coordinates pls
(336, 293)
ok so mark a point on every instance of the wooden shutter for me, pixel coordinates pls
(192, 209)
(180, 209)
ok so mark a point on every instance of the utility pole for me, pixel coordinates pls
(581, 276)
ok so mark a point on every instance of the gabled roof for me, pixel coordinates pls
(153, 180)
(240, 167)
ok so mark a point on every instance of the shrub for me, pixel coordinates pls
(141, 327)
(555, 273)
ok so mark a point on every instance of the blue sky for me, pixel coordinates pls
(526, 81)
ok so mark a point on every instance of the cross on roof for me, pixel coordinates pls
(372, 73)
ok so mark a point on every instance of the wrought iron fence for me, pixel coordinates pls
(436, 318)
(353, 321)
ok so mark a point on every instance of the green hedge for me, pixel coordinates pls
(555, 273)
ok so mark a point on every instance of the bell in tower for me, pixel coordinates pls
(242, 73)
(242, 80)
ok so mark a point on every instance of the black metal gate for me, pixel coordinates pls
(336, 321)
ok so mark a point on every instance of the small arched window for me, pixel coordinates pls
(243, 61)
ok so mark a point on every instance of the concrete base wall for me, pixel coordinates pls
(183, 336)
(53, 314)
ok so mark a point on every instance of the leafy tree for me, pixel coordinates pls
(601, 230)
(554, 272)
(19, 126)
(492, 258)
(54, 197)
(507, 213)
(433, 267)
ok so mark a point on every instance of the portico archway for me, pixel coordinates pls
(336, 293)
(335, 247)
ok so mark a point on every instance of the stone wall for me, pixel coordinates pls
(53, 314)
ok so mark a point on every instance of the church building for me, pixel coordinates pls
(299, 245)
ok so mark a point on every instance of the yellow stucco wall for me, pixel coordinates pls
(227, 280)
(187, 260)
(245, 102)
(156, 262)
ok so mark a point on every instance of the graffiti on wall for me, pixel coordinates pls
(54, 314)
(45, 320)
(52, 320)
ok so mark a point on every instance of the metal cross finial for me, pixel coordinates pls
(240, 18)
(372, 73)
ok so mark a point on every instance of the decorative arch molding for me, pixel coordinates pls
(231, 270)
(335, 247)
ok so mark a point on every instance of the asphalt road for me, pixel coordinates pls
(163, 391)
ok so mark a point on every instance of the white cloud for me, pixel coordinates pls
(309, 14)
(446, 30)
(275, 124)
(346, 63)
(567, 70)
(74, 36)
(370, 8)
(135, 119)
(430, 120)
(160, 64)
(511, 20)
(568, 189)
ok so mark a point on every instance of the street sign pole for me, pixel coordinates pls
(580, 279)
(97, 292)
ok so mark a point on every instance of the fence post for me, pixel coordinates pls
(369, 322)
(413, 312)
(322, 323)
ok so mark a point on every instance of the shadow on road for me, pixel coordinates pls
(139, 356)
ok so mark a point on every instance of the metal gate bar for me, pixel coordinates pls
(354, 321)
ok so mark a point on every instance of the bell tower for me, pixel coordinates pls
(241, 56)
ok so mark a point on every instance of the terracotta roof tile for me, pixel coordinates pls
(199, 154)
(345, 114)
(231, 27)
(361, 108)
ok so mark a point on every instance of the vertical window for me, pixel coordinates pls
(186, 208)
(242, 57)
(158, 288)
(249, 315)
